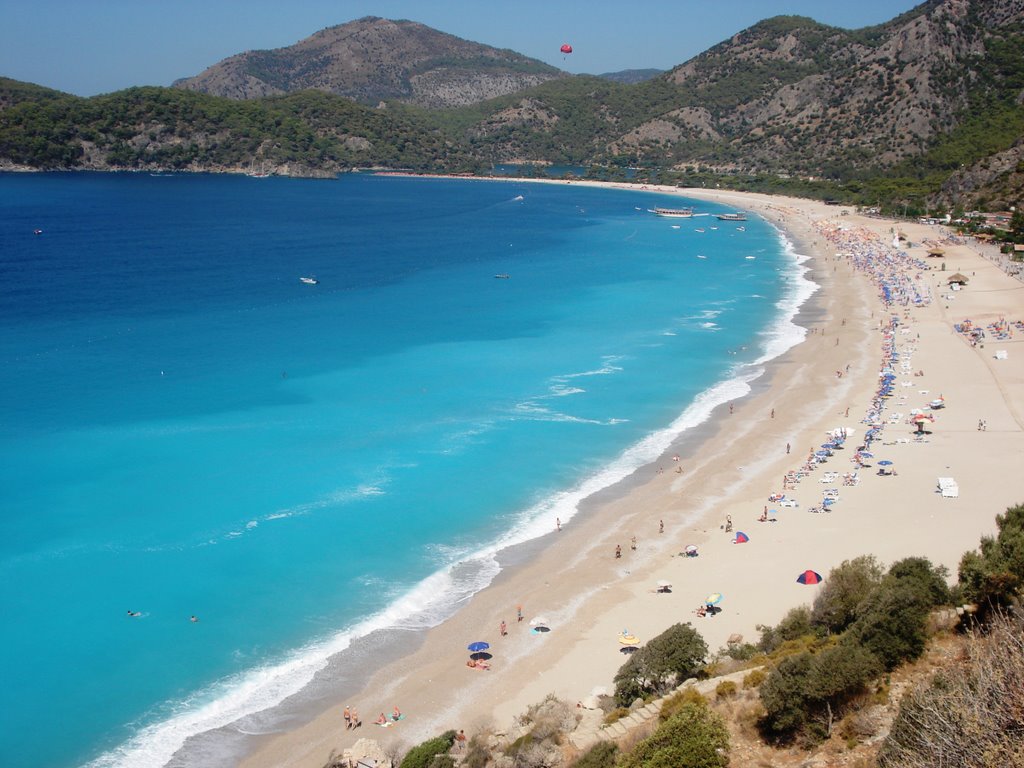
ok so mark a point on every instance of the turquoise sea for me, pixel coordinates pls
(187, 429)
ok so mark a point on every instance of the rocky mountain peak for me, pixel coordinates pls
(373, 59)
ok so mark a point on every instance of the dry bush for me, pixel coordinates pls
(551, 718)
(746, 716)
(478, 754)
(673, 704)
(971, 714)
(725, 689)
(860, 725)
(754, 679)
(615, 715)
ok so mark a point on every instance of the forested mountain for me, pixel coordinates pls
(631, 75)
(923, 110)
(372, 60)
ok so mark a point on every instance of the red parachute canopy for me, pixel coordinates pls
(566, 48)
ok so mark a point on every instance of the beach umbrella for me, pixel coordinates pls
(691, 550)
(741, 538)
(713, 599)
(867, 455)
(478, 646)
(809, 577)
(628, 640)
(885, 463)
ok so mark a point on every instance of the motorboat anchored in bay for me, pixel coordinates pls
(672, 213)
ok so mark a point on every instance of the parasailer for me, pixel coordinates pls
(566, 48)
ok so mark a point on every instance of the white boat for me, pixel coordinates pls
(309, 280)
(731, 216)
(672, 213)
(502, 276)
(254, 174)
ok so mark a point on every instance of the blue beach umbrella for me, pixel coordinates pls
(885, 463)
(478, 646)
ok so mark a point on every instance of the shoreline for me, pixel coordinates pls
(589, 597)
(389, 644)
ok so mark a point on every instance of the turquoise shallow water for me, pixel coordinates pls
(190, 430)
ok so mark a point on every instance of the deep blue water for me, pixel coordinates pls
(187, 429)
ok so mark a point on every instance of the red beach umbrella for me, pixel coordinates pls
(809, 577)
(741, 538)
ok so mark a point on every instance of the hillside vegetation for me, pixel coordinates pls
(922, 112)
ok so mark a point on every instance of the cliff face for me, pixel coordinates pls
(374, 59)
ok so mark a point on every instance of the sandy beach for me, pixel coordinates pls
(728, 468)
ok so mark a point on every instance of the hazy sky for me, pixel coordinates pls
(87, 47)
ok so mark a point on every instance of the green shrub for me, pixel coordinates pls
(993, 575)
(893, 619)
(422, 755)
(925, 581)
(841, 673)
(835, 607)
(675, 654)
(694, 737)
(742, 651)
(794, 625)
(806, 693)
(784, 696)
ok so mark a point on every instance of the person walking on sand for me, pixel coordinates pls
(787, 449)
(502, 629)
(519, 613)
(661, 526)
(347, 716)
(558, 523)
(618, 551)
